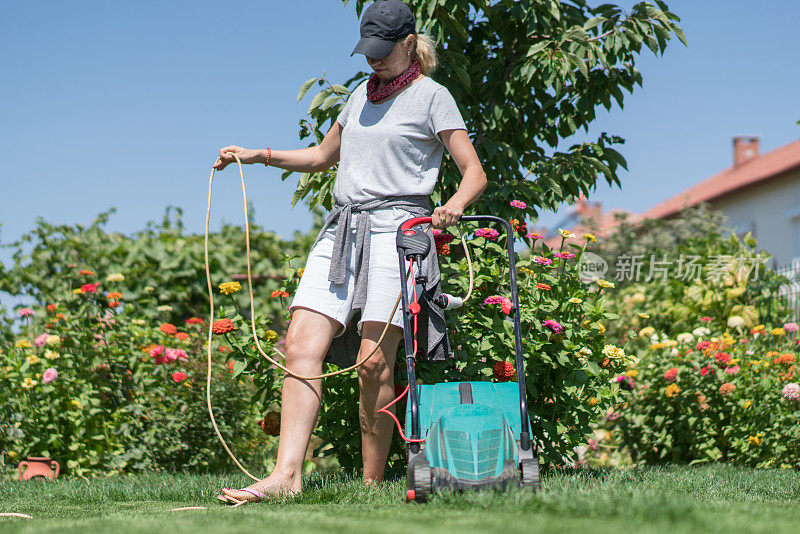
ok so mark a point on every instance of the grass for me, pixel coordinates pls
(674, 500)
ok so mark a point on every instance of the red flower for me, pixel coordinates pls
(224, 349)
(521, 228)
(194, 320)
(705, 319)
(703, 345)
(85, 272)
(543, 286)
(169, 329)
(182, 335)
(442, 238)
(52, 307)
(671, 374)
(443, 249)
(179, 376)
(704, 370)
(503, 371)
(89, 288)
(231, 364)
(723, 357)
(222, 326)
(278, 293)
(114, 303)
(506, 305)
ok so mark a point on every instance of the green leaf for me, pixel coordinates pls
(318, 99)
(305, 87)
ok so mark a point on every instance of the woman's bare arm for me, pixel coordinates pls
(311, 159)
(473, 180)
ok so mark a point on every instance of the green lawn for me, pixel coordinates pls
(674, 500)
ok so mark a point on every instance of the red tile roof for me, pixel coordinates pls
(584, 217)
(751, 172)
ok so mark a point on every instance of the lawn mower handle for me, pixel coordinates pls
(525, 441)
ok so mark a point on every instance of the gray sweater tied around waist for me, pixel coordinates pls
(433, 334)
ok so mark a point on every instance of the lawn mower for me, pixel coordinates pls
(462, 435)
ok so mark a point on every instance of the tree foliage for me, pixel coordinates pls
(526, 75)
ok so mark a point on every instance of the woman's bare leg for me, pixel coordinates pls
(307, 341)
(376, 380)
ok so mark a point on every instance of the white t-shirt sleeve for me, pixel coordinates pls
(444, 113)
(342, 118)
(351, 101)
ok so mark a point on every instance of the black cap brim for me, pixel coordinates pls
(373, 47)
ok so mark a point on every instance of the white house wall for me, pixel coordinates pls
(771, 210)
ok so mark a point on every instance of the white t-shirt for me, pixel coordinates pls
(393, 148)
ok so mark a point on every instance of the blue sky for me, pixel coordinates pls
(126, 103)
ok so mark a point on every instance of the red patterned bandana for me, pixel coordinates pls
(395, 85)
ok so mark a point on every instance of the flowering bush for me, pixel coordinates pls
(105, 388)
(569, 369)
(727, 395)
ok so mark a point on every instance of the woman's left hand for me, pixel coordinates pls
(447, 215)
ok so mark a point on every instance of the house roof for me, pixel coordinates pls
(751, 172)
(584, 217)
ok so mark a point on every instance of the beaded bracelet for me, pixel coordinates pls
(269, 156)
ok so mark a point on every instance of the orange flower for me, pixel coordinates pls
(503, 371)
(182, 336)
(222, 326)
(114, 303)
(543, 286)
(85, 272)
(52, 307)
(149, 347)
(278, 293)
(194, 320)
(114, 295)
(169, 329)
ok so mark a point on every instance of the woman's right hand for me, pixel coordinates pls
(244, 154)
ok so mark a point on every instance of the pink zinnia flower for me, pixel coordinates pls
(41, 340)
(564, 255)
(49, 375)
(791, 391)
(157, 353)
(25, 312)
(89, 288)
(489, 233)
(790, 327)
(705, 319)
(704, 370)
(179, 376)
(732, 370)
(175, 354)
(612, 416)
(543, 261)
(592, 444)
(518, 204)
(553, 325)
(506, 305)
(494, 299)
(671, 374)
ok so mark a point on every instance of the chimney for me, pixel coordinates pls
(745, 148)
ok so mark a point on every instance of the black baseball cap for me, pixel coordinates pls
(383, 24)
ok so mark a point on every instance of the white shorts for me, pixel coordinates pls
(316, 292)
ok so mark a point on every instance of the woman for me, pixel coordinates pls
(389, 141)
